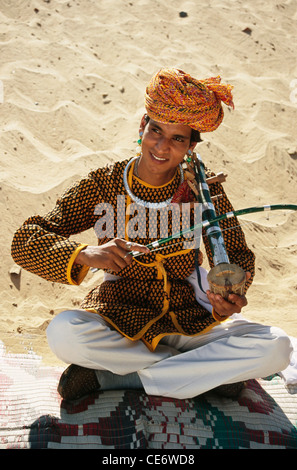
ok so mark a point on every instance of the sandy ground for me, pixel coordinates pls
(73, 75)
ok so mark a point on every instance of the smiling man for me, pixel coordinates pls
(163, 149)
(145, 326)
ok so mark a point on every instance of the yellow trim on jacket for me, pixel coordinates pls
(84, 270)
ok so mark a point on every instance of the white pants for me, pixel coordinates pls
(181, 366)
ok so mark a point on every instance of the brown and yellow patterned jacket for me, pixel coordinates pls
(151, 297)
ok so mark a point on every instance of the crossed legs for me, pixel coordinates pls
(181, 367)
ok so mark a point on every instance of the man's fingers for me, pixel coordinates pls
(239, 300)
(114, 255)
(130, 246)
(121, 252)
(248, 275)
(223, 307)
(127, 247)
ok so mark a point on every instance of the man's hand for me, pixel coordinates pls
(113, 255)
(226, 308)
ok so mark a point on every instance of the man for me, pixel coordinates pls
(144, 326)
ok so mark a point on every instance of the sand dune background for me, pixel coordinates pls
(73, 75)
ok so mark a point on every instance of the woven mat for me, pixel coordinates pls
(32, 415)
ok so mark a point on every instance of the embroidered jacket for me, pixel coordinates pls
(151, 297)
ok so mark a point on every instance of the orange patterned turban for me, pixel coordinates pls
(173, 96)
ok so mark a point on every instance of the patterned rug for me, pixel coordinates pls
(32, 415)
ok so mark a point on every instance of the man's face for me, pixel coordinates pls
(163, 148)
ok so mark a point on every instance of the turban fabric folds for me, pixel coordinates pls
(173, 96)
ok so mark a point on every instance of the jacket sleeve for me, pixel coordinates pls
(238, 251)
(42, 244)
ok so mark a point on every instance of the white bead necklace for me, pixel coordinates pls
(147, 204)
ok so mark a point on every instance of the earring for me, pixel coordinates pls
(138, 148)
(189, 155)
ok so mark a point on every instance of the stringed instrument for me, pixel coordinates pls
(224, 278)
